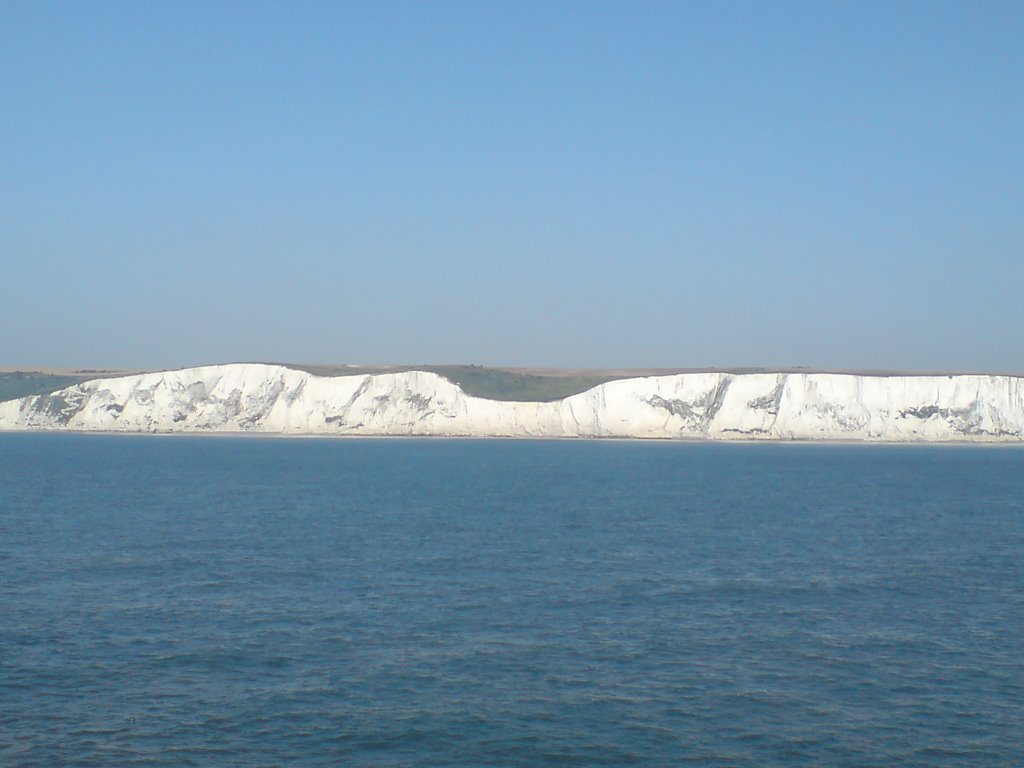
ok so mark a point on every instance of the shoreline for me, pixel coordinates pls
(1014, 443)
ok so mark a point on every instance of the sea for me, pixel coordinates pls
(237, 601)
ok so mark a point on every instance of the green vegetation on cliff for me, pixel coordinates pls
(476, 380)
(491, 383)
(497, 384)
(17, 384)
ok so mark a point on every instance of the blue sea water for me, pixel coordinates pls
(263, 602)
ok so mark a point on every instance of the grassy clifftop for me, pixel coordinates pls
(497, 384)
(492, 383)
(524, 385)
(15, 384)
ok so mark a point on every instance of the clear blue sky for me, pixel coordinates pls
(564, 184)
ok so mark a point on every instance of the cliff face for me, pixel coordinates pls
(720, 406)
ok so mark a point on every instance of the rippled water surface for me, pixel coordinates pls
(246, 602)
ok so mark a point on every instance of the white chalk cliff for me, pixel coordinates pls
(719, 406)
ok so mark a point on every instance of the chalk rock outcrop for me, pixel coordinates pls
(719, 406)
